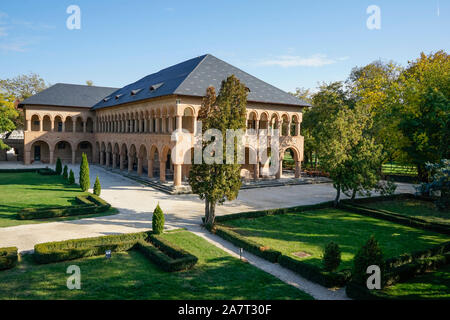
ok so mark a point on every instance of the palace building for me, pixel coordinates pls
(130, 128)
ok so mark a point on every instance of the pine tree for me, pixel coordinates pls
(216, 183)
(71, 177)
(369, 254)
(97, 187)
(58, 168)
(84, 173)
(65, 172)
(158, 220)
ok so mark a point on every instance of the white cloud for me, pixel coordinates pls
(3, 32)
(287, 61)
(14, 46)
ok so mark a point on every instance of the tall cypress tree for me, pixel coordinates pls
(58, 168)
(216, 183)
(84, 173)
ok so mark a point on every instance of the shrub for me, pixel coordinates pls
(8, 258)
(71, 177)
(58, 168)
(158, 220)
(97, 187)
(369, 254)
(65, 173)
(84, 173)
(331, 256)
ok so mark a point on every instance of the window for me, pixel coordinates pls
(36, 122)
(60, 126)
(61, 145)
(84, 145)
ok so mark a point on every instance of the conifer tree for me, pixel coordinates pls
(58, 168)
(84, 173)
(71, 177)
(97, 187)
(65, 173)
(216, 183)
(158, 220)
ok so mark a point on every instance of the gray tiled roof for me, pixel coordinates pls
(191, 78)
(70, 95)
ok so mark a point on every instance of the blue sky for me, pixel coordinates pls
(286, 43)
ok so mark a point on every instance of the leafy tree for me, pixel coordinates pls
(84, 173)
(331, 257)
(216, 183)
(375, 88)
(71, 177)
(158, 220)
(348, 154)
(23, 86)
(8, 114)
(58, 168)
(369, 254)
(65, 172)
(326, 102)
(424, 103)
(20, 88)
(97, 187)
(89, 83)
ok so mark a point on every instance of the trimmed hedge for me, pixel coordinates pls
(21, 170)
(262, 213)
(248, 245)
(8, 258)
(80, 248)
(397, 218)
(167, 256)
(315, 273)
(87, 205)
(47, 172)
(401, 274)
(161, 252)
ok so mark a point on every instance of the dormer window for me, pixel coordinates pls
(156, 86)
(106, 99)
(135, 92)
(118, 96)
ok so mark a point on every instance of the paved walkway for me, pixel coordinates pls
(136, 203)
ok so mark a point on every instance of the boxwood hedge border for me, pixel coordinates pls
(316, 274)
(164, 254)
(8, 258)
(87, 204)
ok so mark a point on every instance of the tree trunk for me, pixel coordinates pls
(211, 215)
(206, 210)
(353, 194)
(338, 194)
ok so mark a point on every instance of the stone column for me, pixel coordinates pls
(150, 168)
(297, 129)
(170, 129)
(73, 156)
(194, 126)
(151, 124)
(156, 125)
(27, 156)
(298, 169)
(84, 126)
(108, 158)
(280, 170)
(179, 123)
(139, 166)
(63, 127)
(145, 125)
(162, 171)
(102, 158)
(52, 125)
(130, 163)
(114, 160)
(289, 128)
(256, 171)
(122, 162)
(28, 128)
(51, 157)
(177, 175)
(163, 124)
(41, 125)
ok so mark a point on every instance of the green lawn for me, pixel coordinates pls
(413, 208)
(433, 285)
(310, 231)
(130, 275)
(32, 190)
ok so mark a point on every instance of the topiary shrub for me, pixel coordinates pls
(158, 220)
(369, 254)
(71, 177)
(331, 257)
(97, 187)
(58, 168)
(84, 173)
(65, 172)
